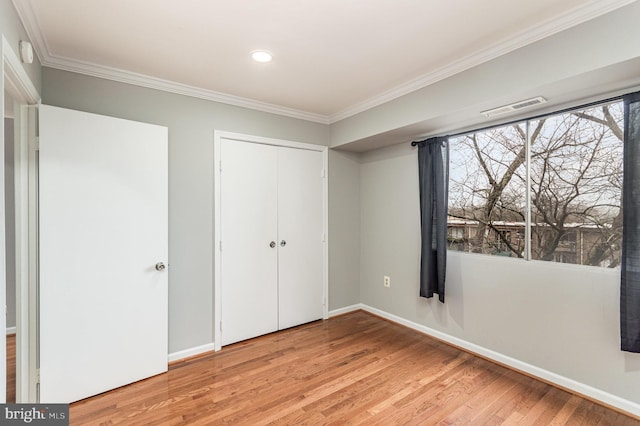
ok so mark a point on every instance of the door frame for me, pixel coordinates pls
(26, 96)
(218, 136)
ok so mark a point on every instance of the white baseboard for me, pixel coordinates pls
(346, 310)
(176, 356)
(545, 375)
(209, 347)
(11, 330)
(579, 388)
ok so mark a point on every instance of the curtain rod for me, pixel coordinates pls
(535, 117)
(430, 140)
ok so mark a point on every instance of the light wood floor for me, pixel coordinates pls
(11, 368)
(352, 369)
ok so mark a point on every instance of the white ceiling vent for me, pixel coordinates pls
(514, 106)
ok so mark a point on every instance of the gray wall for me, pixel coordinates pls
(191, 124)
(344, 229)
(9, 218)
(560, 318)
(11, 28)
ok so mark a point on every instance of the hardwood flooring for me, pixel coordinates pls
(11, 368)
(352, 369)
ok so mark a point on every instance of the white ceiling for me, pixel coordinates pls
(332, 58)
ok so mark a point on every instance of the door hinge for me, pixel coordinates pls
(324, 237)
(37, 147)
(322, 173)
(220, 165)
(220, 245)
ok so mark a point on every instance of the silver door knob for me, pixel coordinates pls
(272, 244)
(160, 266)
(283, 243)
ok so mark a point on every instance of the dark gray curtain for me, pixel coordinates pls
(630, 280)
(433, 169)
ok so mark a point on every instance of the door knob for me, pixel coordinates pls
(160, 266)
(283, 243)
(272, 244)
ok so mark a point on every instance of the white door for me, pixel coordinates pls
(300, 236)
(271, 232)
(248, 205)
(103, 229)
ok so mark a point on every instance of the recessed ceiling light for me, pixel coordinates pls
(261, 56)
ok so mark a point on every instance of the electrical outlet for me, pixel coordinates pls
(387, 281)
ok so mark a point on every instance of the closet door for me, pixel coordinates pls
(249, 224)
(300, 239)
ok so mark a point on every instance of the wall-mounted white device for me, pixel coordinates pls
(26, 52)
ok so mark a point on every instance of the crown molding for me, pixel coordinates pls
(32, 26)
(122, 76)
(47, 59)
(576, 16)
(571, 18)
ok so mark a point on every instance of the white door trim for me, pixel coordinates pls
(20, 86)
(217, 138)
(15, 73)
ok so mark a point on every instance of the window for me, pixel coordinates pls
(487, 181)
(573, 207)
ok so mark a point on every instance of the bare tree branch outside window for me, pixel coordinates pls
(576, 188)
